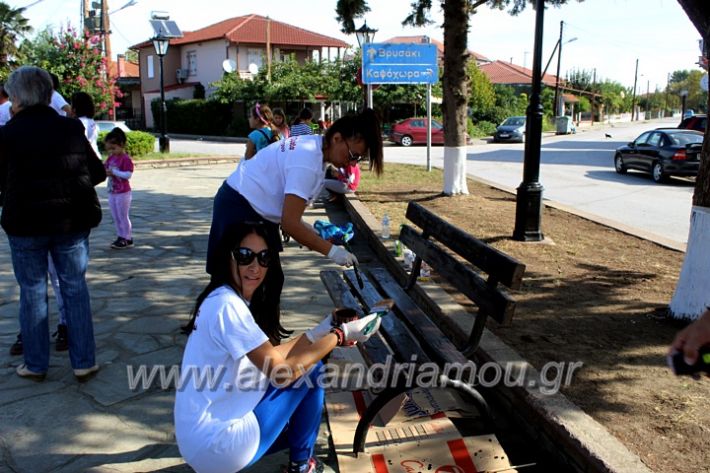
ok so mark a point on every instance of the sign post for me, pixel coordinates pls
(403, 63)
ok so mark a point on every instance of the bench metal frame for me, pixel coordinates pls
(409, 322)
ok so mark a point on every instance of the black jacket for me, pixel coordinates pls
(48, 171)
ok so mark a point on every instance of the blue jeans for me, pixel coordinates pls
(70, 253)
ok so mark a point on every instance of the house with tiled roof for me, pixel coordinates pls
(507, 73)
(127, 74)
(240, 45)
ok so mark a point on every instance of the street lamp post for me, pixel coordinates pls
(364, 36)
(161, 43)
(556, 106)
(528, 205)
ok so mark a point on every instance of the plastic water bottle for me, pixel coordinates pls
(385, 227)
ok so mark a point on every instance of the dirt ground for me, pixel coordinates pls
(596, 295)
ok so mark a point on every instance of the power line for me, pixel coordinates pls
(32, 4)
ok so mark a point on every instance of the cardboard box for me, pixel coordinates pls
(417, 439)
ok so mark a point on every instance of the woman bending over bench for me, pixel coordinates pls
(277, 186)
(237, 399)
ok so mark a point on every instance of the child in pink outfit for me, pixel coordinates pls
(119, 169)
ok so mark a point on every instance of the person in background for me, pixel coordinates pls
(82, 106)
(692, 338)
(265, 132)
(5, 106)
(277, 186)
(261, 408)
(119, 169)
(58, 103)
(339, 181)
(302, 125)
(49, 207)
(281, 122)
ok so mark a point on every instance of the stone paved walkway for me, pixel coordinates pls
(140, 297)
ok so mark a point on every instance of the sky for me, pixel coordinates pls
(610, 34)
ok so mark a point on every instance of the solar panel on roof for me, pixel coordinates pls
(166, 28)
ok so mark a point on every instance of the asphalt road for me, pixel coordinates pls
(576, 171)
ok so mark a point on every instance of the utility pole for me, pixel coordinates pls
(648, 107)
(557, 77)
(106, 32)
(268, 49)
(84, 15)
(594, 94)
(633, 96)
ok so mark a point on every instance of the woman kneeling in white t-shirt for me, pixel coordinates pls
(237, 399)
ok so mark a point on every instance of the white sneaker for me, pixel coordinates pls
(24, 372)
(82, 374)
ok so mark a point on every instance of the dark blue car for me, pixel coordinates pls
(512, 129)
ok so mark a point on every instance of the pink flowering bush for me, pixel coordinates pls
(77, 61)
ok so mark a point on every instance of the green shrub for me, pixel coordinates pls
(480, 129)
(194, 116)
(138, 143)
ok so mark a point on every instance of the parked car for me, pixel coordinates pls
(662, 152)
(512, 129)
(695, 122)
(108, 125)
(412, 131)
(689, 113)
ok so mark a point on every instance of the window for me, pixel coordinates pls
(655, 139)
(641, 140)
(192, 63)
(255, 56)
(151, 66)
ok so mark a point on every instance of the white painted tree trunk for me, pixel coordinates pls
(455, 170)
(692, 293)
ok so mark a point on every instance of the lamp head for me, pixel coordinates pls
(365, 34)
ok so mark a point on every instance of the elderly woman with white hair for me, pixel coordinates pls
(48, 171)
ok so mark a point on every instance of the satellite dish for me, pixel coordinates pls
(229, 66)
(253, 68)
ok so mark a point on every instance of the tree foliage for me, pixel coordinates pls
(78, 63)
(294, 81)
(13, 26)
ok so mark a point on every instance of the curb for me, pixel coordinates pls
(178, 162)
(560, 427)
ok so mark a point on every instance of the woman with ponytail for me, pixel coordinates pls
(277, 186)
(261, 119)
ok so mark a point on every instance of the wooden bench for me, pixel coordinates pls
(412, 330)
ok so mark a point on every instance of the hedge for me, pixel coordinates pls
(199, 117)
(138, 143)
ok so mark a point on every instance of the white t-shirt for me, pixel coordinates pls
(91, 130)
(215, 426)
(5, 113)
(58, 103)
(291, 166)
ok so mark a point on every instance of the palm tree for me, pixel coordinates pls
(12, 26)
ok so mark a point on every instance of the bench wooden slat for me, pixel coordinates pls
(375, 349)
(494, 302)
(442, 349)
(505, 269)
(400, 339)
